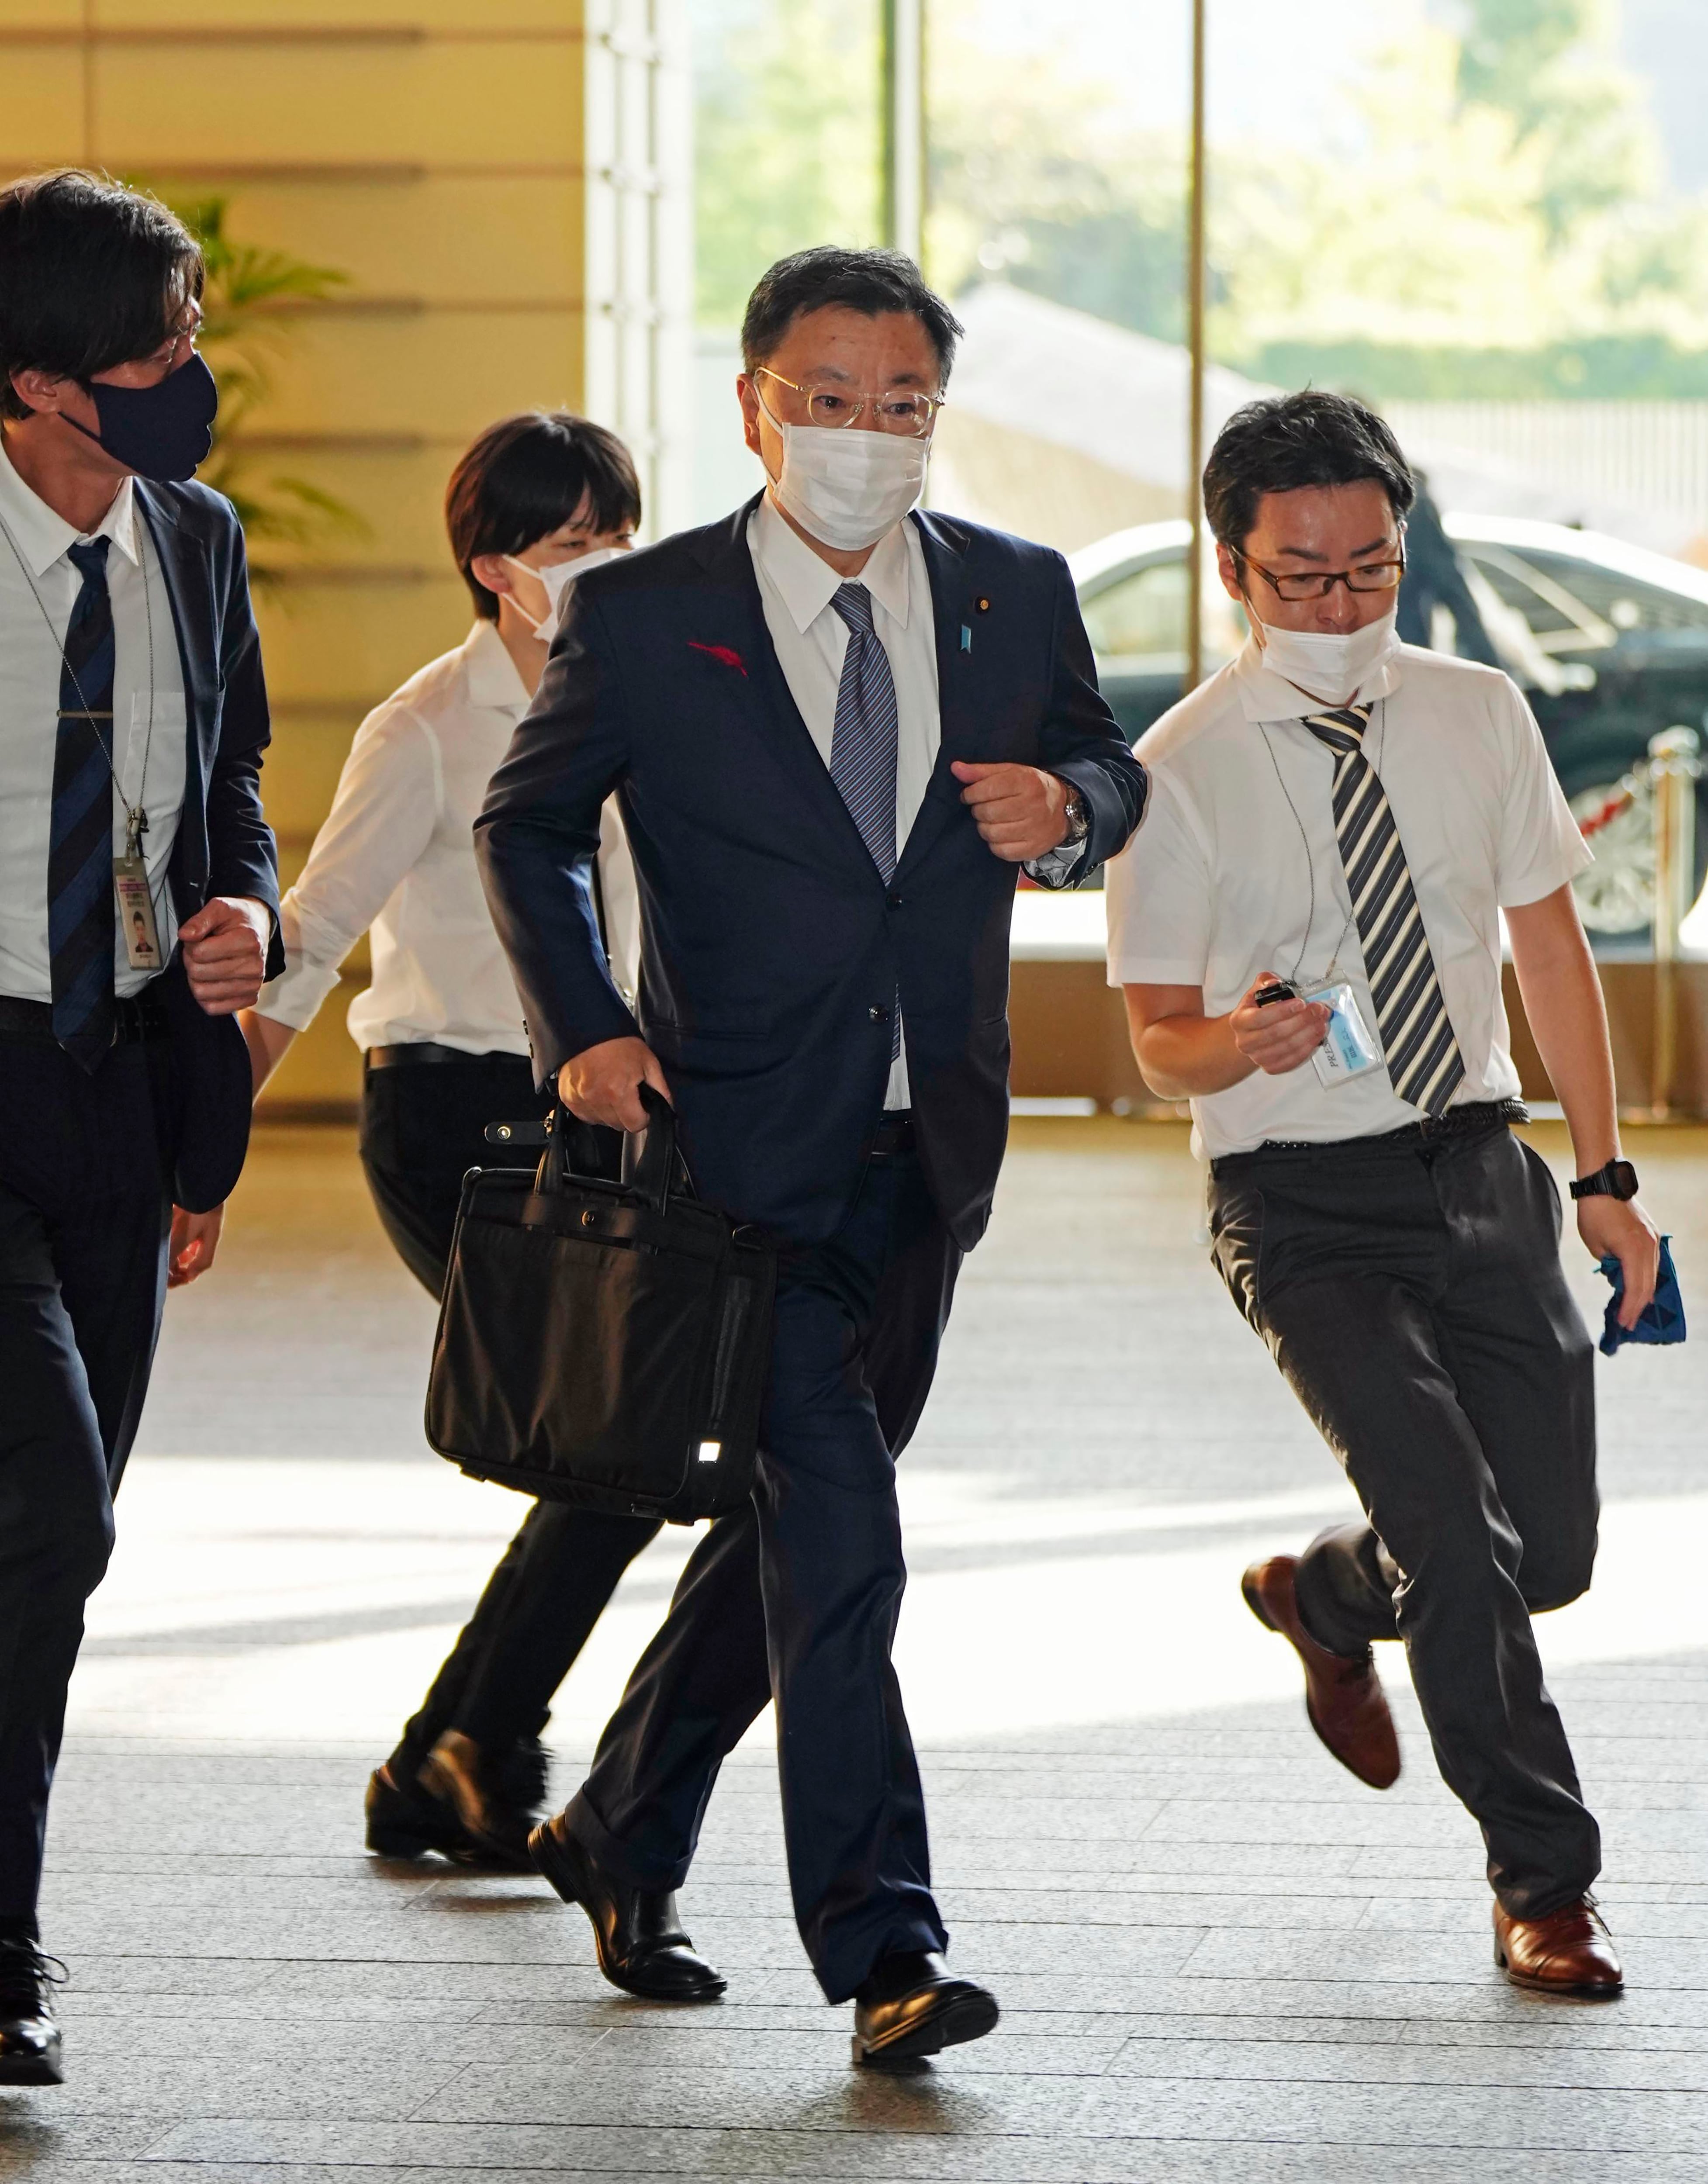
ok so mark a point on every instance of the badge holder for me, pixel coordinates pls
(135, 903)
(1348, 1048)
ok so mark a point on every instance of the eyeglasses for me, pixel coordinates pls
(899, 411)
(1317, 584)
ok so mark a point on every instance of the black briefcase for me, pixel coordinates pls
(600, 1343)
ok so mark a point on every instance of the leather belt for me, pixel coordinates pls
(134, 1016)
(422, 1053)
(1475, 1118)
(894, 1134)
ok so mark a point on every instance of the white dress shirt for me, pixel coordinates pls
(146, 738)
(396, 855)
(811, 639)
(1236, 869)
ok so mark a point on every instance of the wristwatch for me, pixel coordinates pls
(1618, 1179)
(1079, 819)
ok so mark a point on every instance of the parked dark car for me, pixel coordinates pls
(1609, 642)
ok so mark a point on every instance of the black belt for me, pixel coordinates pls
(894, 1134)
(1474, 1118)
(420, 1052)
(134, 1016)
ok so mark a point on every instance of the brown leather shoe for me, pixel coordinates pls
(1568, 1952)
(1342, 1696)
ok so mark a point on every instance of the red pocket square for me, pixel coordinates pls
(730, 659)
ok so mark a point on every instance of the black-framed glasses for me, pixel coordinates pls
(898, 411)
(1318, 584)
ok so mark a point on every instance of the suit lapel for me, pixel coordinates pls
(946, 564)
(189, 586)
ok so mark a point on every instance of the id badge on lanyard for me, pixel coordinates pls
(1349, 1047)
(135, 905)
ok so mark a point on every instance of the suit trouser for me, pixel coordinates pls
(1411, 1292)
(422, 1127)
(797, 1598)
(85, 1214)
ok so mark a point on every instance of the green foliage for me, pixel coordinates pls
(246, 324)
(1612, 367)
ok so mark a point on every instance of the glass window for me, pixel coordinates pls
(1140, 620)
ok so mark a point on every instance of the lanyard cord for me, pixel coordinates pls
(135, 815)
(1310, 860)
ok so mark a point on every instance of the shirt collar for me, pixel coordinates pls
(492, 676)
(807, 585)
(42, 534)
(1267, 696)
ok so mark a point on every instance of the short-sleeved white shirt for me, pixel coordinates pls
(1236, 869)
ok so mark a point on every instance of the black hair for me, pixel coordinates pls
(93, 274)
(869, 280)
(1287, 441)
(526, 476)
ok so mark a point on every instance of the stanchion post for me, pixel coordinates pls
(1672, 771)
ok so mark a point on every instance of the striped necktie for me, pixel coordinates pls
(1423, 1064)
(79, 855)
(864, 741)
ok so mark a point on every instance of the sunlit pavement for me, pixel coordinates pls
(1218, 1957)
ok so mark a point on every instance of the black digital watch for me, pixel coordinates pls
(1618, 1179)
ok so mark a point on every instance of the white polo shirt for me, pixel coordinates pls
(1236, 869)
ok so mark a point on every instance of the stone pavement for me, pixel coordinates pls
(1218, 1957)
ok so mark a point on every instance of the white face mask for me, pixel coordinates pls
(849, 487)
(1326, 666)
(557, 576)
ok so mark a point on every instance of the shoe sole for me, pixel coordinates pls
(969, 2017)
(44, 2071)
(547, 1859)
(1583, 1992)
(1254, 1600)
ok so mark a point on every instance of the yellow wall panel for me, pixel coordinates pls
(356, 642)
(456, 239)
(424, 371)
(461, 19)
(41, 105)
(510, 105)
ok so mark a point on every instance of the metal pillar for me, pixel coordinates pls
(1672, 772)
(1194, 346)
(903, 64)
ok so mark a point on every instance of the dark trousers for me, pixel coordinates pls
(1411, 1292)
(795, 1598)
(85, 1214)
(423, 1126)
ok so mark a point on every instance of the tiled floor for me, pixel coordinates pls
(1217, 1956)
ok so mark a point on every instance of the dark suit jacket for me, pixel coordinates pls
(224, 846)
(772, 950)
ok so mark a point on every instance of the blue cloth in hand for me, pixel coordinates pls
(1663, 1318)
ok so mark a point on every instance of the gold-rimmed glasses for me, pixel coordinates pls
(901, 409)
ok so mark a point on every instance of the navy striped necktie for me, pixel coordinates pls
(81, 923)
(1424, 1063)
(864, 742)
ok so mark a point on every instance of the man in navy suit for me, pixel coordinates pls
(138, 912)
(837, 728)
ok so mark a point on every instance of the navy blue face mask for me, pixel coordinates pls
(161, 431)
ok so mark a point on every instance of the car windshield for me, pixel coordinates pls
(1137, 622)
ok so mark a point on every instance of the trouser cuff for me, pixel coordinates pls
(614, 1856)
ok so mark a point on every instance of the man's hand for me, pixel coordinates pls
(1619, 1228)
(225, 953)
(1279, 1038)
(195, 1238)
(1021, 810)
(601, 1084)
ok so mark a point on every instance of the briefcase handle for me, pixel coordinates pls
(658, 1173)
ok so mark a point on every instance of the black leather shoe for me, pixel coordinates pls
(456, 1775)
(28, 2030)
(911, 2006)
(403, 1822)
(642, 1947)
